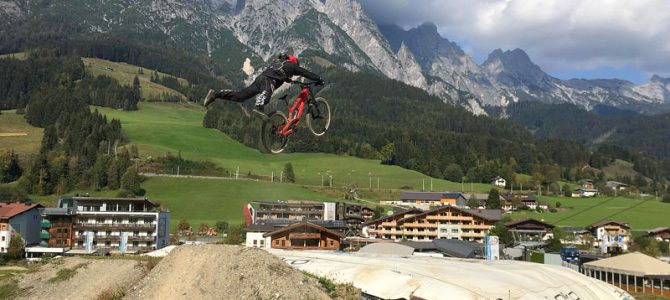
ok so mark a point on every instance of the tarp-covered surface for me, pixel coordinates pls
(635, 263)
(397, 277)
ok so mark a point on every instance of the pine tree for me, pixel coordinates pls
(493, 201)
(288, 172)
(113, 175)
(130, 180)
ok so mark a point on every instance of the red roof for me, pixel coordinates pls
(10, 210)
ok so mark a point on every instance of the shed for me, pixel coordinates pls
(633, 271)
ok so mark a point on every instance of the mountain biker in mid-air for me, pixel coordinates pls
(265, 84)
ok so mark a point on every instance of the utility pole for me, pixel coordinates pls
(272, 177)
(431, 184)
(377, 182)
(237, 173)
(177, 170)
(423, 185)
(331, 180)
(281, 177)
(370, 178)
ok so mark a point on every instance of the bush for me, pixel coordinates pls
(15, 249)
(235, 235)
(553, 210)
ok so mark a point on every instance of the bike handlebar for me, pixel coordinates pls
(310, 83)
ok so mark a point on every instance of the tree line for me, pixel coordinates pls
(21, 80)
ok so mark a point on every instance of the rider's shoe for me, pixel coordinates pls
(259, 112)
(211, 96)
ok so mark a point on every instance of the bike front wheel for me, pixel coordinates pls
(272, 139)
(318, 116)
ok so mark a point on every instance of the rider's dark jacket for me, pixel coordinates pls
(287, 70)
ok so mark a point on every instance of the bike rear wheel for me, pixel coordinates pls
(318, 116)
(271, 137)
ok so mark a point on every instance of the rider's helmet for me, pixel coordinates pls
(289, 57)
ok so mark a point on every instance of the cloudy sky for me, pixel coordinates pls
(628, 39)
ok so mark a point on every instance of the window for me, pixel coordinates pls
(3, 238)
(454, 231)
(332, 243)
(283, 243)
(262, 243)
(108, 243)
(254, 243)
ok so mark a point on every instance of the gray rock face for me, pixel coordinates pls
(511, 76)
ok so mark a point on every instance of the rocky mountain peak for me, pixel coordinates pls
(659, 79)
(516, 64)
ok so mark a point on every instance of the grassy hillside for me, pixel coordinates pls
(641, 214)
(159, 128)
(212, 200)
(17, 134)
(125, 74)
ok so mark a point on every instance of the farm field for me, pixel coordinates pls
(125, 73)
(642, 214)
(17, 134)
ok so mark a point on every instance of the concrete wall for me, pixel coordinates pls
(28, 224)
(258, 238)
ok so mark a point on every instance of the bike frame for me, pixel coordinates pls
(295, 111)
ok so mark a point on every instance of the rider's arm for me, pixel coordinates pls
(294, 69)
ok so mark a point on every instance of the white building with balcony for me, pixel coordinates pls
(118, 224)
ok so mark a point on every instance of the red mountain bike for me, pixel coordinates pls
(277, 128)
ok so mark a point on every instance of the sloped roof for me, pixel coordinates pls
(635, 263)
(605, 222)
(429, 195)
(488, 214)
(658, 230)
(528, 220)
(307, 224)
(388, 249)
(10, 210)
(459, 248)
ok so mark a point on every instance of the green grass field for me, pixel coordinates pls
(125, 74)
(212, 200)
(640, 214)
(159, 128)
(17, 134)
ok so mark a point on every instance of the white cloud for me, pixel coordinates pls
(557, 34)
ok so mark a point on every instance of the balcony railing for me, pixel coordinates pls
(45, 224)
(113, 225)
(141, 238)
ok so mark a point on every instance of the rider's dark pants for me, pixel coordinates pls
(262, 86)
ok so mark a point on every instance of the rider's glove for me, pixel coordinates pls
(319, 82)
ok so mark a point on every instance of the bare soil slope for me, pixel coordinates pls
(224, 272)
(90, 278)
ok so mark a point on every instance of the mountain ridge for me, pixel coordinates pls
(231, 33)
